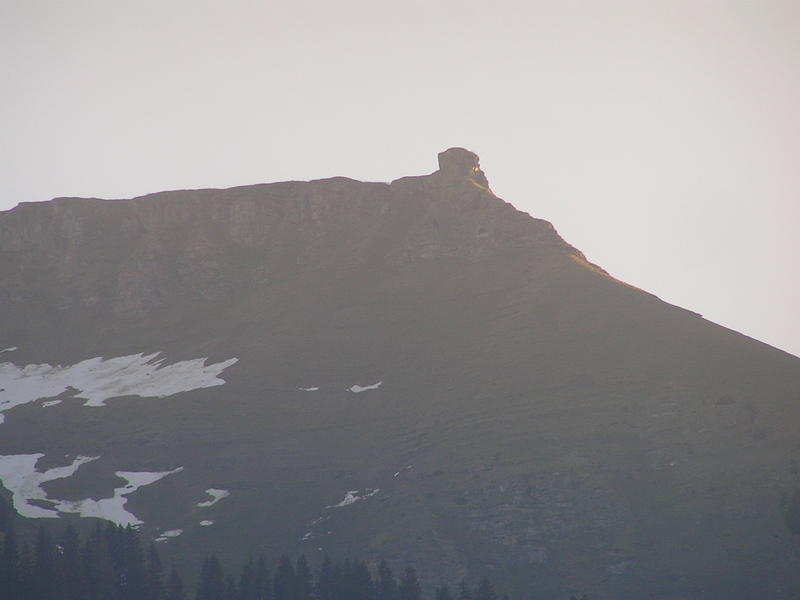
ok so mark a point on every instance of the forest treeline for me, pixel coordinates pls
(112, 564)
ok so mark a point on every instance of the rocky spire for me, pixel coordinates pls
(461, 163)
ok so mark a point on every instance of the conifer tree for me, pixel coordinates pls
(71, 567)
(131, 569)
(10, 567)
(98, 576)
(45, 581)
(263, 580)
(363, 586)
(174, 589)
(485, 591)
(464, 593)
(212, 584)
(304, 581)
(443, 593)
(25, 584)
(231, 592)
(155, 575)
(344, 588)
(248, 589)
(409, 588)
(386, 585)
(326, 584)
(6, 516)
(284, 582)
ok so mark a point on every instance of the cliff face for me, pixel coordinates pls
(208, 245)
(520, 413)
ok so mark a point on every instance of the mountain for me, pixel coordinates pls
(414, 371)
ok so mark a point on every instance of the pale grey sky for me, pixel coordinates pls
(661, 137)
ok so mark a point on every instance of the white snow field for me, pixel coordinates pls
(354, 496)
(309, 389)
(10, 349)
(206, 523)
(216, 496)
(97, 379)
(18, 474)
(357, 389)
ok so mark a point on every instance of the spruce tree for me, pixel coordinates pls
(212, 584)
(304, 582)
(131, 569)
(326, 584)
(25, 584)
(284, 582)
(10, 586)
(464, 592)
(409, 588)
(485, 591)
(155, 575)
(386, 585)
(174, 589)
(344, 583)
(71, 565)
(98, 576)
(363, 586)
(6, 516)
(443, 593)
(45, 579)
(248, 587)
(263, 580)
(231, 592)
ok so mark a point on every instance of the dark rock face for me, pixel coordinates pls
(462, 164)
(458, 162)
(536, 421)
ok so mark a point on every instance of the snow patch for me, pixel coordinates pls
(206, 523)
(113, 509)
(307, 537)
(357, 389)
(309, 389)
(165, 535)
(171, 533)
(19, 475)
(50, 403)
(353, 496)
(403, 469)
(10, 349)
(216, 496)
(97, 379)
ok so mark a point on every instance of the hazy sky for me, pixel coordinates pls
(662, 138)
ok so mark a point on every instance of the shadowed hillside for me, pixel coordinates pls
(413, 371)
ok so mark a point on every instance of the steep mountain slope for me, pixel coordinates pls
(414, 370)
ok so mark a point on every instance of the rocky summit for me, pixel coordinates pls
(413, 370)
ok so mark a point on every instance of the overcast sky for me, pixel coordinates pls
(661, 137)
